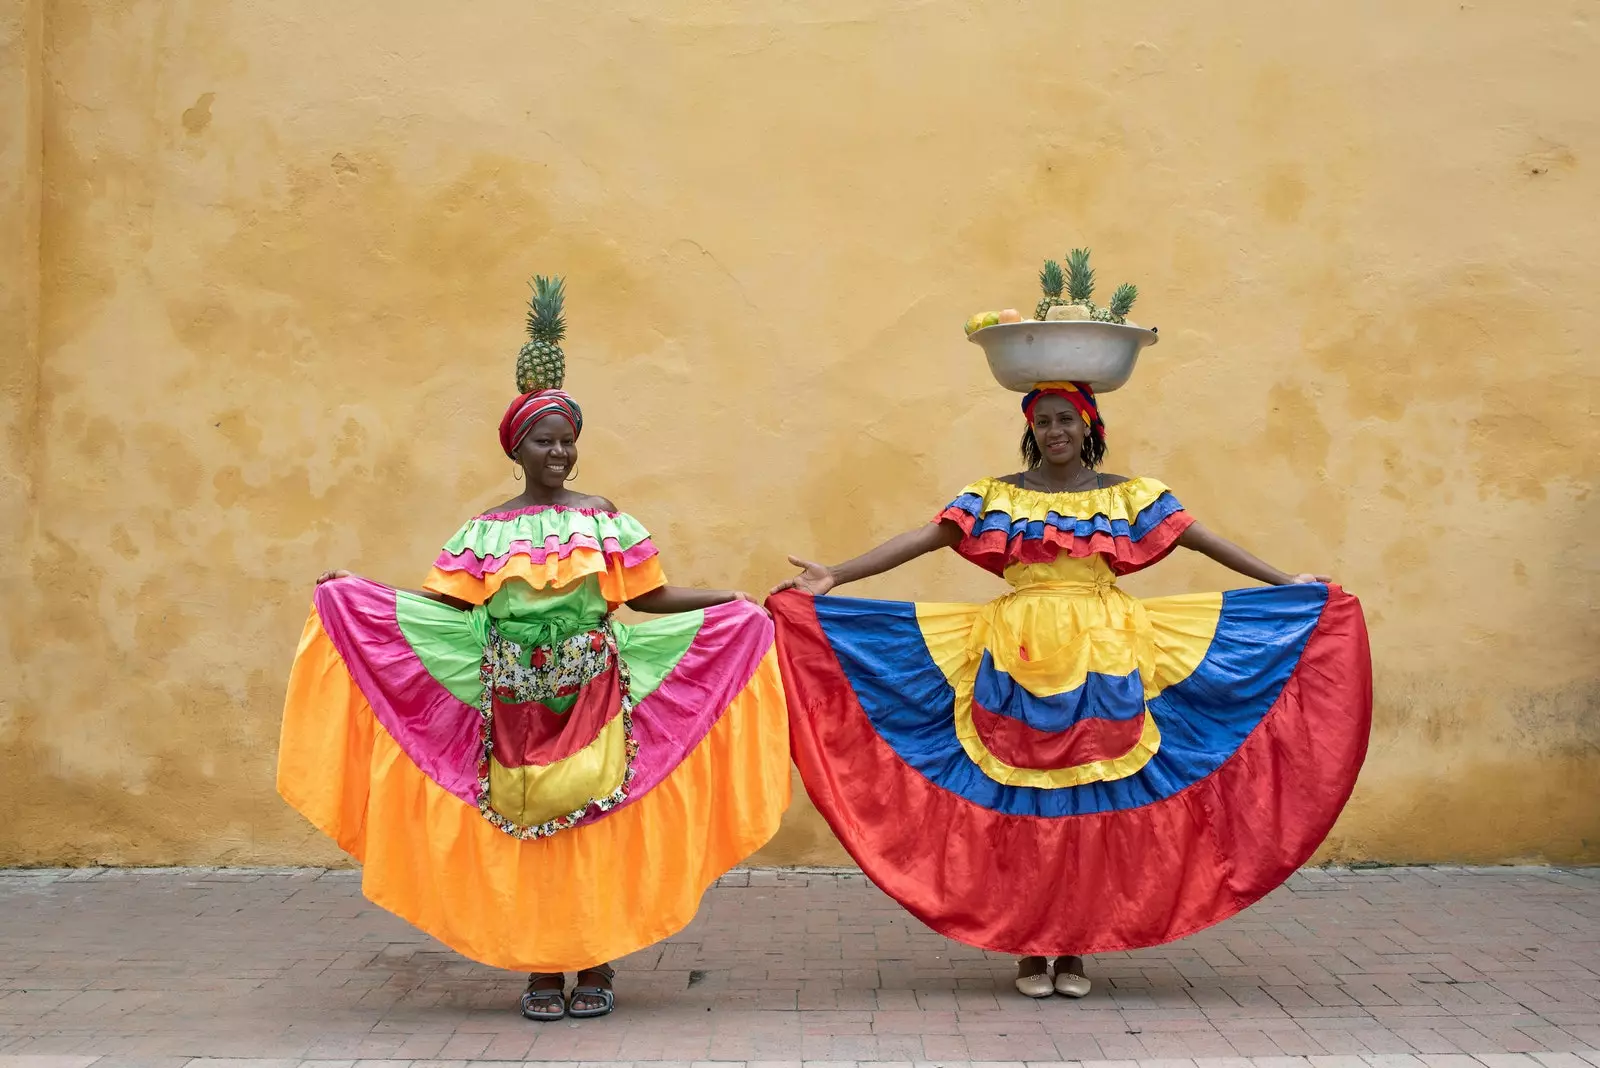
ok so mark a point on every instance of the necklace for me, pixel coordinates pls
(1094, 483)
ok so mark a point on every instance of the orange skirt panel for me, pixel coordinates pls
(576, 899)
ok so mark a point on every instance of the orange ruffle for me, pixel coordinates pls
(618, 584)
(573, 900)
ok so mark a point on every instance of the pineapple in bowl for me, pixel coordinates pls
(1070, 338)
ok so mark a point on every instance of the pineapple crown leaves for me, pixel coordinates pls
(545, 319)
(1051, 279)
(1122, 300)
(1080, 276)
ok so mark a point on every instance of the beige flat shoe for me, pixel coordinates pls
(1037, 985)
(1070, 980)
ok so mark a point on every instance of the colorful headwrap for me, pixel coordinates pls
(1077, 394)
(529, 408)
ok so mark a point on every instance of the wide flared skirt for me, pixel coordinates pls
(1260, 705)
(379, 750)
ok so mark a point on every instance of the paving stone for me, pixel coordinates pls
(1392, 968)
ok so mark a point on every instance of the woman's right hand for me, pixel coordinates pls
(814, 579)
(329, 576)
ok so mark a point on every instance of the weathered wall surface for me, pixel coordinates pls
(261, 287)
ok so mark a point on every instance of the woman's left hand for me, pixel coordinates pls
(1305, 578)
(740, 595)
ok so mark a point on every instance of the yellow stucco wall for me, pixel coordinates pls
(261, 286)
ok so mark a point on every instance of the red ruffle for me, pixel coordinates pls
(994, 550)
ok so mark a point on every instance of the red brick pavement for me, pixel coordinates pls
(1387, 968)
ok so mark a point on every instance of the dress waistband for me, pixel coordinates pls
(543, 632)
(1084, 586)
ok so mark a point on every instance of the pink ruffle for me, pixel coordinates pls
(470, 562)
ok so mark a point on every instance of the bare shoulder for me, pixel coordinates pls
(1114, 480)
(1012, 480)
(594, 500)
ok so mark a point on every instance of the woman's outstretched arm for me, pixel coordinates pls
(1234, 558)
(818, 579)
(664, 600)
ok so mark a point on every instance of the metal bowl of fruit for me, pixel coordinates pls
(1069, 339)
(1023, 354)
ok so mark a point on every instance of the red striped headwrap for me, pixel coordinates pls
(529, 408)
(1078, 394)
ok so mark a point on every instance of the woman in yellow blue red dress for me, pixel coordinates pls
(1069, 770)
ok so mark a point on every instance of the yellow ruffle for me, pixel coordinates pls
(1123, 501)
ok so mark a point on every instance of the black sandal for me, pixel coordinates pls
(606, 995)
(541, 1001)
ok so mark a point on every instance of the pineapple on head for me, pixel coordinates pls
(541, 364)
(1051, 282)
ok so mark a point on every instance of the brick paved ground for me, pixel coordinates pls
(1399, 968)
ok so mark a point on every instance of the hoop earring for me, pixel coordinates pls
(516, 472)
(572, 476)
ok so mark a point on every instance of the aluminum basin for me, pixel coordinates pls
(1021, 355)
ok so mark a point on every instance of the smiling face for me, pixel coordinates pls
(549, 452)
(1059, 430)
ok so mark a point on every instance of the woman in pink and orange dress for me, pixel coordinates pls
(533, 782)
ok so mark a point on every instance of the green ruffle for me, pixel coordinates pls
(494, 533)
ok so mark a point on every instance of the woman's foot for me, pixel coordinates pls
(592, 995)
(1070, 978)
(542, 999)
(1033, 978)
